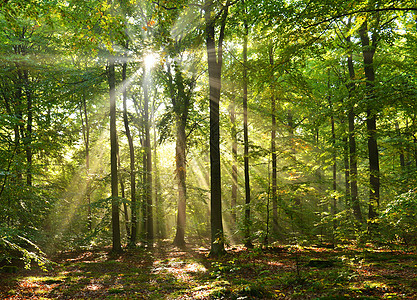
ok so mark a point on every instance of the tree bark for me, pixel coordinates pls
(29, 127)
(334, 169)
(247, 221)
(273, 153)
(214, 61)
(400, 146)
(334, 156)
(180, 160)
(368, 51)
(159, 218)
(353, 170)
(133, 208)
(113, 158)
(122, 191)
(86, 135)
(148, 171)
(181, 103)
(346, 163)
(234, 162)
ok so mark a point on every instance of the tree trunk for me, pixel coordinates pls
(148, 170)
(353, 170)
(122, 190)
(334, 157)
(291, 128)
(334, 169)
(29, 128)
(414, 131)
(144, 183)
(400, 146)
(346, 167)
(133, 208)
(274, 154)
(113, 158)
(368, 51)
(159, 218)
(214, 61)
(247, 220)
(180, 160)
(234, 162)
(86, 135)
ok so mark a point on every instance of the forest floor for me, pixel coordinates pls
(167, 272)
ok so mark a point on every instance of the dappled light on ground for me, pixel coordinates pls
(167, 272)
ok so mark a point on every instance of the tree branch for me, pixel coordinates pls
(362, 11)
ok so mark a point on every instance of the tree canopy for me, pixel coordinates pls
(230, 122)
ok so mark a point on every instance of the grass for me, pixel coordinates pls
(171, 273)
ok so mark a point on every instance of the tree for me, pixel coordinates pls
(273, 147)
(180, 93)
(111, 76)
(214, 60)
(133, 231)
(353, 165)
(233, 201)
(247, 220)
(86, 136)
(368, 51)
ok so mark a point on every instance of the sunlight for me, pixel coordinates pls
(66, 213)
(150, 59)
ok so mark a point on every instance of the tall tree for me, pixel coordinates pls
(132, 173)
(148, 153)
(111, 76)
(233, 202)
(247, 220)
(180, 157)
(86, 136)
(353, 158)
(368, 52)
(273, 146)
(214, 60)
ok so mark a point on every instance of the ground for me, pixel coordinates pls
(167, 272)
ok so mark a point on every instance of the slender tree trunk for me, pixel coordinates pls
(122, 190)
(144, 184)
(148, 151)
(234, 162)
(247, 220)
(159, 218)
(368, 51)
(291, 127)
(346, 167)
(415, 140)
(86, 135)
(180, 160)
(214, 61)
(133, 208)
(19, 130)
(334, 168)
(400, 146)
(113, 158)
(29, 128)
(353, 170)
(274, 154)
(334, 158)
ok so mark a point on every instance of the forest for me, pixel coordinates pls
(208, 149)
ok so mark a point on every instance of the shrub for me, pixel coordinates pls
(400, 218)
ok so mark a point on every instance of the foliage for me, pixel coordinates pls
(15, 248)
(53, 57)
(400, 219)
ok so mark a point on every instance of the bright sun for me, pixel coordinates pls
(150, 60)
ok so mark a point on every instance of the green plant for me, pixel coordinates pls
(400, 218)
(15, 247)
